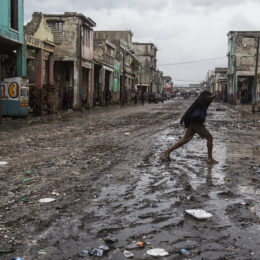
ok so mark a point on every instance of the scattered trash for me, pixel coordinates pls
(17, 258)
(183, 252)
(146, 215)
(3, 163)
(135, 245)
(50, 164)
(29, 172)
(26, 180)
(105, 248)
(55, 193)
(96, 252)
(228, 179)
(42, 252)
(110, 239)
(157, 252)
(148, 171)
(140, 244)
(46, 200)
(199, 213)
(6, 251)
(154, 205)
(128, 254)
(25, 200)
(85, 252)
(127, 133)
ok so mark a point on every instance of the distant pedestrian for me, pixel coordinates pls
(142, 96)
(135, 98)
(193, 120)
(68, 98)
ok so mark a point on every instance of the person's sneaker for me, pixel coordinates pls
(164, 157)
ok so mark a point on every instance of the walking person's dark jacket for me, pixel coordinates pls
(197, 112)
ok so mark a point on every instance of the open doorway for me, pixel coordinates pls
(244, 89)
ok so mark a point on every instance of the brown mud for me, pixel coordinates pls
(102, 167)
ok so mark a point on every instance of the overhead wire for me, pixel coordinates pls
(194, 61)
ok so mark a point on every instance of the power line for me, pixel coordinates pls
(184, 80)
(194, 61)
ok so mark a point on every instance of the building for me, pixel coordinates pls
(243, 67)
(105, 89)
(167, 85)
(211, 81)
(220, 89)
(13, 59)
(73, 59)
(146, 54)
(13, 50)
(40, 65)
(126, 59)
(158, 80)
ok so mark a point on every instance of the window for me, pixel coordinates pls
(57, 30)
(14, 14)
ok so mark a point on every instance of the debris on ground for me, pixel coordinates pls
(107, 185)
(157, 252)
(183, 252)
(110, 239)
(128, 254)
(198, 213)
(135, 245)
(3, 163)
(228, 179)
(46, 200)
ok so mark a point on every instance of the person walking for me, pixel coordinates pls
(193, 120)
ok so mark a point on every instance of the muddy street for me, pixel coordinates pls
(108, 186)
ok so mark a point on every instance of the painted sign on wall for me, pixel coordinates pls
(15, 96)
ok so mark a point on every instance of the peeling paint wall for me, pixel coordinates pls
(12, 40)
(242, 63)
(146, 53)
(73, 34)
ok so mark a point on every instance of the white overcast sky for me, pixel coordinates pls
(182, 30)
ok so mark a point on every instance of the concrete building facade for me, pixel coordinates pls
(104, 59)
(125, 57)
(146, 54)
(158, 80)
(40, 65)
(243, 67)
(73, 59)
(220, 89)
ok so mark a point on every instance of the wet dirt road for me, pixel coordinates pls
(110, 187)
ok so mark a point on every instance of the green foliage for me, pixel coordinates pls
(135, 65)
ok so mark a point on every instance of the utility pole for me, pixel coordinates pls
(123, 81)
(255, 81)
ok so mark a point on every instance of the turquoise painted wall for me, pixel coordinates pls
(14, 35)
(5, 29)
(116, 77)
